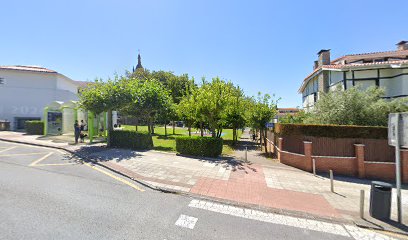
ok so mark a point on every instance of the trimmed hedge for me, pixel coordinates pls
(130, 139)
(199, 146)
(34, 127)
(334, 131)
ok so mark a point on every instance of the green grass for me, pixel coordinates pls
(168, 143)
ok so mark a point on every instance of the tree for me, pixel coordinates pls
(148, 98)
(235, 111)
(103, 97)
(355, 107)
(298, 117)
(262, 110)
(212, 99)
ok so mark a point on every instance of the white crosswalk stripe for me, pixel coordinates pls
(186, 221)
(309, 224)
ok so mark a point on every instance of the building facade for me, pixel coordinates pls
(26, 90)
(388, 70)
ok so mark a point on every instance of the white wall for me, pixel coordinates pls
(25, 94)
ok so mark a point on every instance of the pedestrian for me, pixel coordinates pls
(77, 131)
(253, 136)
(83, 125)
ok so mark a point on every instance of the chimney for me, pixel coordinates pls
(324, 57)
(403, 45)
(316, 64)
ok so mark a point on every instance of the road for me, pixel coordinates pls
(48, 194)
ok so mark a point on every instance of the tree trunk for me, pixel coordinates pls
(260, 138)
(174, 127)
(137, 123)
(234, 133)
(148, 127)
(189, 131)
(110, 127)
(152, 128)
(265, 142)
(201, 129)
(165, 129)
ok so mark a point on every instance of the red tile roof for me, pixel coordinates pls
(28, 68)
(360, 56)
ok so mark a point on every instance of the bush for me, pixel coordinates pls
(34, 127)
(334, 131)
(199, 146)
(131, 140)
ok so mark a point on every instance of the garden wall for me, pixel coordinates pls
(361, 157)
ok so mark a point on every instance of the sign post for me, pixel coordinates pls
(395, 134)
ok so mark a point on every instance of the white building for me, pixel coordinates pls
(388, 70)
(26, 90)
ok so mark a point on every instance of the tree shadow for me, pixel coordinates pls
(101, 153)
(161, 148)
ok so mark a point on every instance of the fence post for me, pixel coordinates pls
(308, 156)
(331, 181)
(359, 149)
(362, 203)
(314, 166)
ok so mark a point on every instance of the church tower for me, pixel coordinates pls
(139, 63)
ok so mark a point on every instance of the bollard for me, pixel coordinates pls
(331, 181)
(362, 203)
(314, 166)
(246, 153)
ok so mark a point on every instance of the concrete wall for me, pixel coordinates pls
(25, 94)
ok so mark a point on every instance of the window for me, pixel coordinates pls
(1, 81)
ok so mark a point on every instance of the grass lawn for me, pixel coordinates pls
(168, 143)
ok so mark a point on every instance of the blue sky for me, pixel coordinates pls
(266, 46)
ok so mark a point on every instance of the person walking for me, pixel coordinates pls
(77, 131)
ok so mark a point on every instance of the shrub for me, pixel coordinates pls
(131, 140)
(199, 146)
(34, 127)
(334, 131)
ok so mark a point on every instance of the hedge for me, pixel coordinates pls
(130, 139)
(34, 127)
(334, 131)
(199, 146)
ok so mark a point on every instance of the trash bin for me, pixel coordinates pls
(380, 200)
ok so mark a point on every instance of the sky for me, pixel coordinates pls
(266, 46)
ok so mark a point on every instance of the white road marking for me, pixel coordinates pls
(40, 159)
(314, 225)
(271, 217)
(186, 221)
(9, 148)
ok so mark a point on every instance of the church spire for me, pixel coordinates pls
(139, 63)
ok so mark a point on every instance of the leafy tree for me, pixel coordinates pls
(103, 97)
(212, 101)
(262, 110)
(355, 107)
(235, 111)
(298, 117)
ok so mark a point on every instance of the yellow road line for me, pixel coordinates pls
(7, 149)
(115, 177)
(40, 159)
(54, 164)
(21, 154)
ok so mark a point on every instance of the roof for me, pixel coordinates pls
(373, 55)
(345, 67)
(288, 109)
(28, 68)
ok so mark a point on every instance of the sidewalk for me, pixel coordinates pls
(258, 182)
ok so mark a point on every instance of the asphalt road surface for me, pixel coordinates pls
(48, 194)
